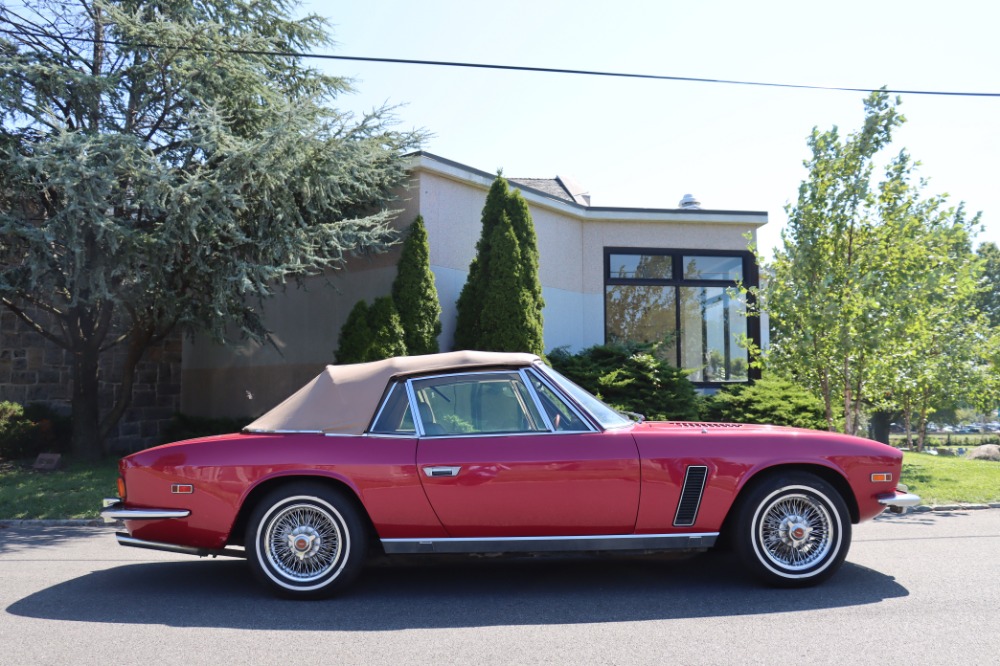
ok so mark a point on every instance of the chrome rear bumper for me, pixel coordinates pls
(114, 510)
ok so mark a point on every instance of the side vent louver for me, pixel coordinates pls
(694, 486)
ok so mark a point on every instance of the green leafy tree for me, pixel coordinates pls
(848, 288)
(506, 274)
(988, 301)
(934, 358)
(415, 295)
(386, 329)
(355, 336)
(170, 164)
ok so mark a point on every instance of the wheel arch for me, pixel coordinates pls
(830, 475)
(253, 497)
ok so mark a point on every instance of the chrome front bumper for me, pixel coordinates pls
(899, 500)
(114, 510)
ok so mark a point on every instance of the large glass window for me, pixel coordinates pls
(683, 301)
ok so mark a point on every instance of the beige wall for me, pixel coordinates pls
(248, 379)
(571, 242)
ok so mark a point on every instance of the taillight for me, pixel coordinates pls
(121, 488)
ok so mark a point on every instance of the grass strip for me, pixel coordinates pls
(73, 491)
(951, 480)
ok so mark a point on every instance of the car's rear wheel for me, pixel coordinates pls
(306, 541)
(793, 530)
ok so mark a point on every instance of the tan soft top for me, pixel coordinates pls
(343, 398)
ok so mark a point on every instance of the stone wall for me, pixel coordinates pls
(32, 369)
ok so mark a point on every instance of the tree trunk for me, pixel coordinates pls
(86, 441)
(881, 422)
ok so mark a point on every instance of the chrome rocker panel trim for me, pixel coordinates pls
(125, 540)
(113, 510)
(693, 541)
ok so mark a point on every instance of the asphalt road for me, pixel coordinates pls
(917, 589)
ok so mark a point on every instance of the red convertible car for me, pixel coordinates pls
(481, 452)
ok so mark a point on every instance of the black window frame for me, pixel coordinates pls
(751, 278)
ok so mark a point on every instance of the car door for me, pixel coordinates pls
(494, 465)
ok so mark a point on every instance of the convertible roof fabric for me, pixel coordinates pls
(343, 398)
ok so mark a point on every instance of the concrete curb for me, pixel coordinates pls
(956, 507)
(57, 522)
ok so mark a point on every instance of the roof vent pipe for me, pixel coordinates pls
(688, 202)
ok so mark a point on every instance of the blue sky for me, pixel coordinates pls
(646, 143)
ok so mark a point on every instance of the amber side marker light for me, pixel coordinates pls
(121, 488)
(182, 489)
(881, 477)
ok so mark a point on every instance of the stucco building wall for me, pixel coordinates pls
(247, 379)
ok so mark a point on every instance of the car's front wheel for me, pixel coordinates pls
(306, 541)
(793, 530)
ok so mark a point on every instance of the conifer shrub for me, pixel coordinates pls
(355, 336)
(414, 293)
(386, 330)
(506, 320)
(771, 400)
(631, 378)
(506, 272)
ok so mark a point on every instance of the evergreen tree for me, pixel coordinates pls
(415, 295)
(167, 164)
(507, 317)
(355, 336)
(500, 307)
(527, 241)
(386, 330)
(468, 327)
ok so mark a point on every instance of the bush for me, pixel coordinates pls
(769, 400)
(355, 336)
(631, 378)
(27, 431)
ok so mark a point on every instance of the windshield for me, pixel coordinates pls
(604, 415)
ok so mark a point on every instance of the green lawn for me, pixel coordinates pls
(951, 480)
(76, 490)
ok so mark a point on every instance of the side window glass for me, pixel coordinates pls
(563, 417)
(478, 403)
(395, 417)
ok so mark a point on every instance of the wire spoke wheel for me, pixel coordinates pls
(303, 542)
(306, 540)
(793, 529)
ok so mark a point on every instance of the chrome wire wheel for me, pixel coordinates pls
(306, 540)
(303, 542)
(795, 531)
(792, 529)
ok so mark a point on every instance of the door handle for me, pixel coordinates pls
(442, 471)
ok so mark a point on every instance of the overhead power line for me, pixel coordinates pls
(511, 68)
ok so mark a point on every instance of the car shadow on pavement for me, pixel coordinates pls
(447, 593)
